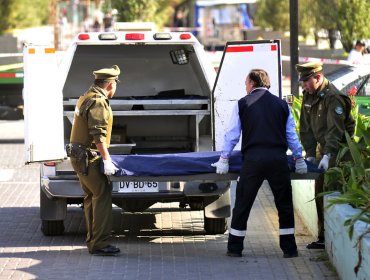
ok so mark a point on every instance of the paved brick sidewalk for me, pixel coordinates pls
(155, 245)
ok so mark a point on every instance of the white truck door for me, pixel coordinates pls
(238, 59)
(43, 105)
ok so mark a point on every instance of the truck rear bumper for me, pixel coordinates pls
(68, 186)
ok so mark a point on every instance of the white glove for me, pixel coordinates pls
(324, 163)
(311, 159)
(109, 168)
(222, 166)
(300, 166)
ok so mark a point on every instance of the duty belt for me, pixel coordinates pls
(74, 150)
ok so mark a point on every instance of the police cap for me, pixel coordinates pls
(306, 70)
(107, 73)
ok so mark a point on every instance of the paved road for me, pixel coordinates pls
(155, 245)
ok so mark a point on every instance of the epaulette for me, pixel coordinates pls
(86, 106)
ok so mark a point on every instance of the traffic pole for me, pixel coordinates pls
(294, 47)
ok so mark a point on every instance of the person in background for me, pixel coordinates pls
(96, 26)
(87, 24)
(325, 117)
(356, 55)
(268, 129)
(108, 22)
(89, 142)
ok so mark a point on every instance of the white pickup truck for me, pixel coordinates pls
(162, 105)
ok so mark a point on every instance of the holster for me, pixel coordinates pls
(81, 154)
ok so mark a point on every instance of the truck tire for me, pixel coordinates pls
(52, 228)
(215, 225)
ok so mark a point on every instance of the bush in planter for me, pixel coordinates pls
(354, 178)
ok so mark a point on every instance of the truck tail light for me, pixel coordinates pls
(162, 36)
(83, 36)
(107, 36)
(50, 163)
(185, 36)
(134, 36)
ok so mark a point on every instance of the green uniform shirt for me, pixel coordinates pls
(93, 118)
(325, 116)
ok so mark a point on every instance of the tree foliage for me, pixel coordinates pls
(23, 13)
(350, 17)
(353, 21)
(5, 7)
(275, 15)
(158, 11)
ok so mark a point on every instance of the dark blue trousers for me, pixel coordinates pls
(253, 173)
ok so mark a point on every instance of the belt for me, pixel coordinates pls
(73, 149)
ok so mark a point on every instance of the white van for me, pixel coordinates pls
(168, 101)
(162, 105)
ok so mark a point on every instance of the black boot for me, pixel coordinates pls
(319, 244)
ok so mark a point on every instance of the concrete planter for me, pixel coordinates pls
(342, 251)
(304, 203)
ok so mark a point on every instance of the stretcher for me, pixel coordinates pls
(188, 166)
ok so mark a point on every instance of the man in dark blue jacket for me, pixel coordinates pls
(268, 131)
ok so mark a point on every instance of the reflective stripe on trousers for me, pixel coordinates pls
(285, 231)
(240, 233)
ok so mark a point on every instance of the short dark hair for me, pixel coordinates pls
(101, 82)
(260, 78)
(360, 43)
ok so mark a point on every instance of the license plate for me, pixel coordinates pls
(130, 187)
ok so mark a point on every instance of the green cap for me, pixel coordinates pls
(107, 73)
(306, 70)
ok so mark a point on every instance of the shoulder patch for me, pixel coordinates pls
(338, 110)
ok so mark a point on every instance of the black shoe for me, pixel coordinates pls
(319, 244)
(234, 254)
(291, 255)
(109, 250)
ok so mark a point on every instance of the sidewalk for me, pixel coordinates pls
(169, 244)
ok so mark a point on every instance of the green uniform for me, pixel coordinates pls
(325, 116)
(92, 124)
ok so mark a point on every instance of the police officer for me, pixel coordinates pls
(91, 131)
(268, 129)
(325, 116)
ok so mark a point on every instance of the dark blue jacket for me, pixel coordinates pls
(263, 118)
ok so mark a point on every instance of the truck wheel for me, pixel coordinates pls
(215, 225)
(52, 228)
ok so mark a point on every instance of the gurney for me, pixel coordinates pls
(192, 166)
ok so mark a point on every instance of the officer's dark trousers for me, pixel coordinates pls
(97, 205)
(319, 188)
(253, 173)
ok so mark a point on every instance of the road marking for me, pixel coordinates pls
(6, 175)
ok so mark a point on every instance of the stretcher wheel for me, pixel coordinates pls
(52, 228)
(215, 225)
